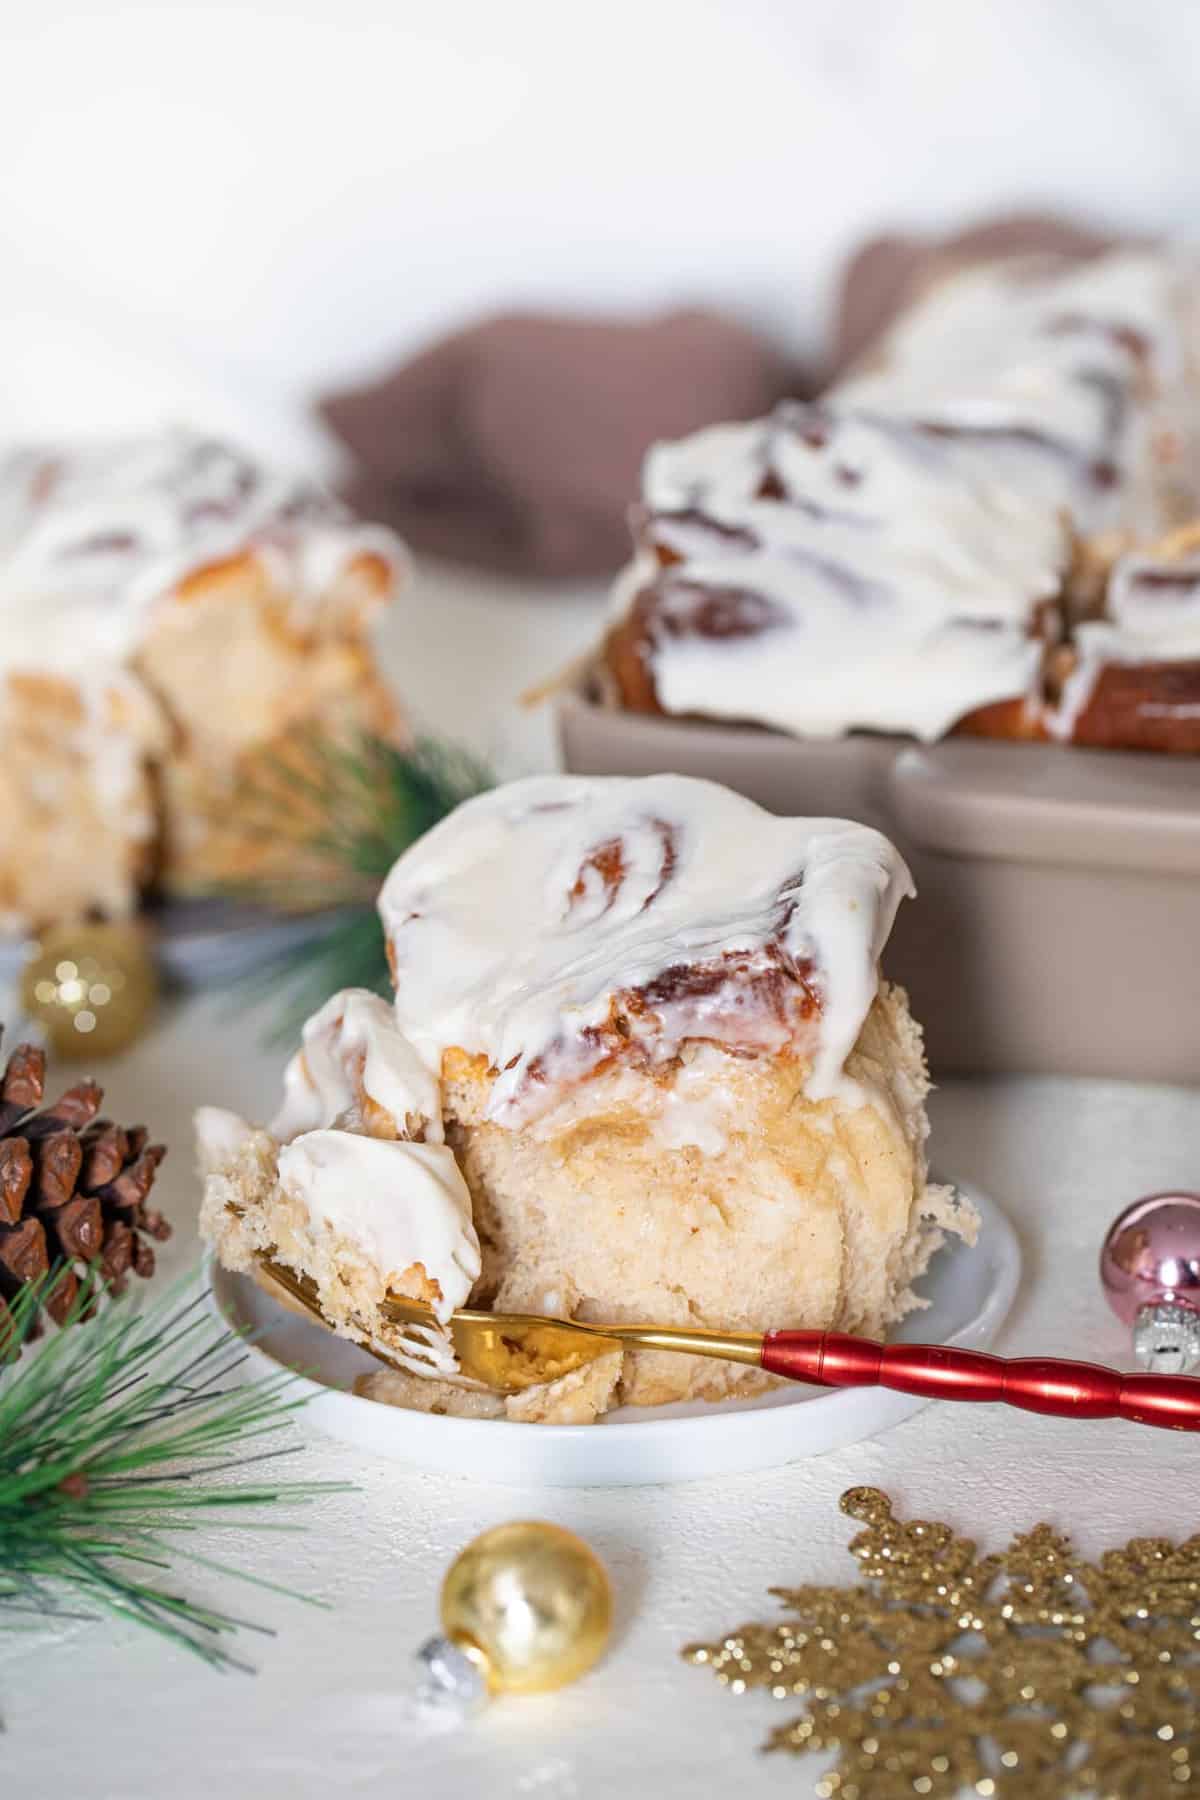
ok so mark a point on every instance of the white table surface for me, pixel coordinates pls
(102, 1712)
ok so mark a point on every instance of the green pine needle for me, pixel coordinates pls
(329, 821)
(351, 953)
(115, 1443)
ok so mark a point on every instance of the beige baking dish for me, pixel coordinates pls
(1057, 925)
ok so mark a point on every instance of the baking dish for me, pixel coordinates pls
(1057, 925)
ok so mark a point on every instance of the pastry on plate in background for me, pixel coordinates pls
(170, 611)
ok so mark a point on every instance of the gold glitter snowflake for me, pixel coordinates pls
(1029, 1673)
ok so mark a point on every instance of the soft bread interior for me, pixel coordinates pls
(710, 1193)
(717, 1196)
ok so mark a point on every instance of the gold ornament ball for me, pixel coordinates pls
(92, 988)
(531, 1604)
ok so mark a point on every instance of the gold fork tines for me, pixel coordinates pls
(505, 1351)
(509, 1352)
(302, 1290)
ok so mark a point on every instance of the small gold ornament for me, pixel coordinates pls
(525, 1608)
(90, 987)
(1030, 1674)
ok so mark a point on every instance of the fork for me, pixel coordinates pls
(509, 1352)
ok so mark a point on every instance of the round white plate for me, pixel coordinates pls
(203, 941)
(198, 942)
(969, 1293)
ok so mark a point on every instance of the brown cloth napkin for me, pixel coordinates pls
(889, 272)
(517, 443)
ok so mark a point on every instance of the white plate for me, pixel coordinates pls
(198, 942)
(969, 1290)
(203, 941)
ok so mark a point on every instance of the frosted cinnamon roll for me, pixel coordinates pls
(656, 1045)
(1133, 680)
(169, 610)
(914, 555)
(832, 570)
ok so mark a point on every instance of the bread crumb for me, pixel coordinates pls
(574, 1399)
(416, 1393)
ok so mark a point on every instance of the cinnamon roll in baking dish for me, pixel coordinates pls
(168, 610)
(953, 540)
(640, 1065)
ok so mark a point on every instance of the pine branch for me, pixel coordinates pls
(352, 953)
(116, 1443)
(327, 821)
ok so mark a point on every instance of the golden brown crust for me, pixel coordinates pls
(1019, 720)
(1143, 706)
(1135, 706)
(627, 657)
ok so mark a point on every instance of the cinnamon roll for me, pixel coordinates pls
(640, 1025)
(935, 547)
(168, 611)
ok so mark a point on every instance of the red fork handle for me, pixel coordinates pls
(1039, 1384)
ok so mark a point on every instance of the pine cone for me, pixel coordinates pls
(73, 1189)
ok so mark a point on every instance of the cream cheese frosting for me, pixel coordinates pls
(92, 537)
(1055, 374)
(890, 587)
(557, 922)
(352, 1053)
(398, 1204)
(883, 561)
(352, 1093)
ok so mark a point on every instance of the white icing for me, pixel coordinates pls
(887, 575)
(92, 538)
(509, 941)
(398, 1203)
(220, 1136)
(1153, 610)
(895, 593)
(1073, 357)
(350, 1048)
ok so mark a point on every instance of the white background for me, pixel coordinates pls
(211, 208)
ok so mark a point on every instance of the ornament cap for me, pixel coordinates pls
(453, 1678)
(1166, 1338)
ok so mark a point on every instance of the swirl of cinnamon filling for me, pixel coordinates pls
(900, 557)
(559, 926)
